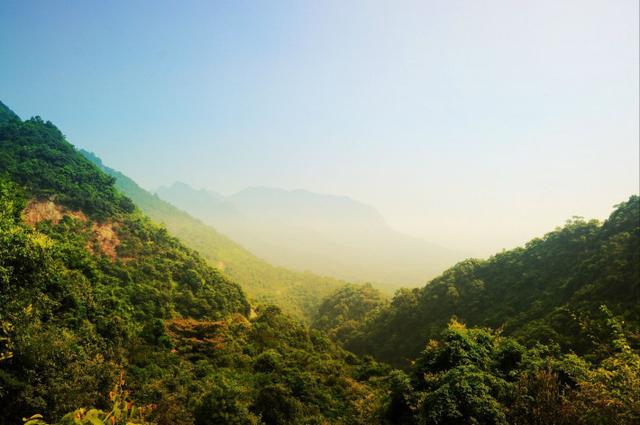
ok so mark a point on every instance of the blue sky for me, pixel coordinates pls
(474, 124)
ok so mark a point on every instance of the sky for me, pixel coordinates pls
(476, 125)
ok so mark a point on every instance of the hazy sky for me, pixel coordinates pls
(475, 124)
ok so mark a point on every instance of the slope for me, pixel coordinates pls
(547, 291)
(92, 293)
(297, 293)
(332, 235)
(6, 114)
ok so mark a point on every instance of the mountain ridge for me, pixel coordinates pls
(327, 234)
(544, 291)
(6, 113)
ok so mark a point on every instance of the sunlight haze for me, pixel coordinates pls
(473, 125)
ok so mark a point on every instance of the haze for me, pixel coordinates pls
(475, 125)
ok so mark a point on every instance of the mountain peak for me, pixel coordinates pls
(6, 114)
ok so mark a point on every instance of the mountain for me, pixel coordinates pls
(326, 234)
(297, 293)
(547, 291)
(205, 204)
(7, 114)
(105, 318)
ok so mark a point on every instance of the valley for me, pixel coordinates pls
(117, 307)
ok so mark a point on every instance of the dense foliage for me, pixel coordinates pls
(85, 297)
(69, 310)
(36, 155)
(547, 291)
(476, 376)
(343, 312)
(297, 293)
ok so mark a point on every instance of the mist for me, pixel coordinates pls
(473, 126)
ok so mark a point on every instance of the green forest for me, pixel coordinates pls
(118, 308)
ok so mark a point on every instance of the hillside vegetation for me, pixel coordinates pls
(343, 313)
(92, 293)
(297, 293)
(547, 291)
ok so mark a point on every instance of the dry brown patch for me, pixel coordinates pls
(47, 210)
(197, 336)
(76, 214)
(106, 238)
(37, 211)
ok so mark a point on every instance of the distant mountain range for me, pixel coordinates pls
(332, 235)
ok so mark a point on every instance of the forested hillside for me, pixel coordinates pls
(6, 114)
(547, 291)
(297, 293)
(344, 312)
(92, 295)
